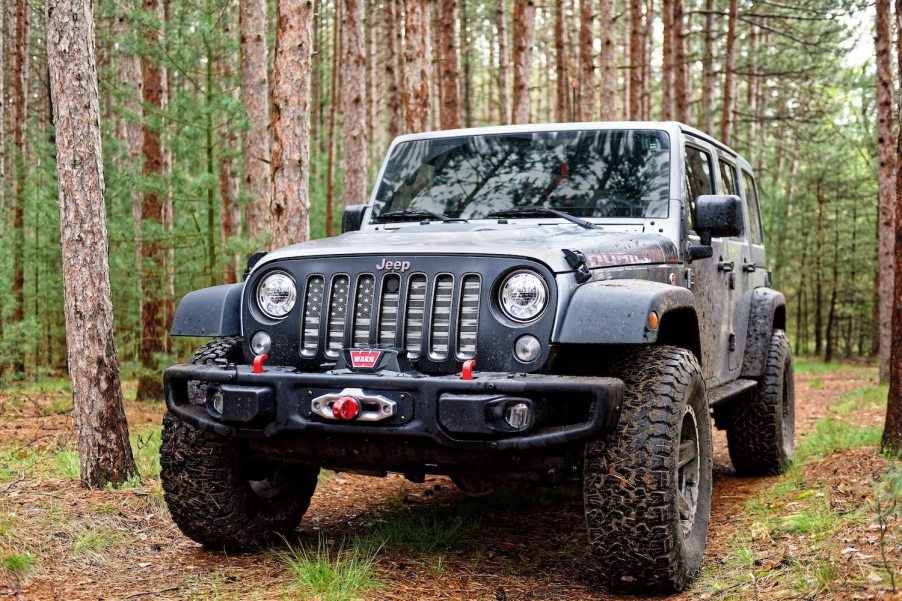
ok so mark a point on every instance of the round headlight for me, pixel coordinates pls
(523, 296)
(276, 294)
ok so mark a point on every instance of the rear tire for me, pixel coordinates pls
(647, 516)
(221, 497)
(760, 428)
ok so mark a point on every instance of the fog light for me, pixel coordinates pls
(527, 348)
(261, 343)
(217, 402)
(517, 415)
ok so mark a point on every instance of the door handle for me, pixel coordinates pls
(749, 267)
(725, 266)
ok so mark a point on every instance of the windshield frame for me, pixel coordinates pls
(670, 129)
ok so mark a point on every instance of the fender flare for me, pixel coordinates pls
(616, 311)
(214, 311)
(766, 311)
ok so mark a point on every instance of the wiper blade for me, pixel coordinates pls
(537, 211)
(414, 215)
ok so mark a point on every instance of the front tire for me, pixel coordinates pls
(761, 428)
(647, 485)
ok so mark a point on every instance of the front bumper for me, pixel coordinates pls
(447, 411)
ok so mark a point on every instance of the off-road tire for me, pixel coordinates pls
(631, 477)
(226, 349)
(760, 428)
(207, 486)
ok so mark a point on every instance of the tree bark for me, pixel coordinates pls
(101, 428)
(680, 65)
(636, 59)
(153, 330)
(886, 172)
(708, 107)
(504, 65)
(289, 208)
(524, 38)
(586, 62)
(353, 103)
(667, 62)
(892, 429)
(393, 66)
(729, 86)
(466, 66)
(334, 101)
(19, 96)
(416, 66)
(449, 116)
(608, 61)
(255, 151)
(562, 91)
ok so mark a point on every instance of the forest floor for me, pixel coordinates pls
(830, 528)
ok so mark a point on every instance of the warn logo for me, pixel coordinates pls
(364, 359)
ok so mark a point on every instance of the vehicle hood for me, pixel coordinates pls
(602, 248)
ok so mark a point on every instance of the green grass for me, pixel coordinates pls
(95, 541)
(67, 464)
(423, 533)
(869, 397)
(332, 575)
(17, 564)
(815, 365)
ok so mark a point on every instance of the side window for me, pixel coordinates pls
(699, 177)
(728, 176)
(754, 209)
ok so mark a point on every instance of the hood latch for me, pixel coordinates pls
(577, 260)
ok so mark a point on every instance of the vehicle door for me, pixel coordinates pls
(734, 265)
(706, 280)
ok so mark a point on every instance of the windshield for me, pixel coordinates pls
(593, 173)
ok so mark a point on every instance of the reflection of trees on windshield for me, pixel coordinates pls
(602, 173)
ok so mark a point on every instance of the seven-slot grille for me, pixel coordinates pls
(417, 313)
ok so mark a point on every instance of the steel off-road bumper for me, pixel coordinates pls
(448, 411)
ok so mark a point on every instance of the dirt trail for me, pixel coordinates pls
(522, 551)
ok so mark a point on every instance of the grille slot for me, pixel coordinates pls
(313, 310)
(363, 310)
(388, 310)
(415, 310)
(468, 322)
(338, 311)
(440, 334)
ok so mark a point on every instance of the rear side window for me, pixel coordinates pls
(728, 176)
(699, 176)
(754, 210)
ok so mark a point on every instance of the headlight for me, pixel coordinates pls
(523, 296)
(276, 294)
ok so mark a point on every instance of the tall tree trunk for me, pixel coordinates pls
(449, 116)
(19, 75)
(680, 64)
(353, 103)
(392, 22)
(466, 65)
(289, 209)
(667, 57)
(729, 86)
(708, 107)
(150, 384)
(504, 65)
(524, 40)
(608, 61)
(886, 172)
(647, 51)
(818, 273)
(636, 59)
(892, 429)
(586, 62)
(830, 351)
(2, 145)
(101, 428)
(416, 66)
(560, 65)
(255, 150)
(334, 101)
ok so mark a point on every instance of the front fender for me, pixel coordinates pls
(616, 311)
(214, 311)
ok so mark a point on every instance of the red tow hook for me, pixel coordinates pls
(347, 408)
(467, 372)
(258, 363)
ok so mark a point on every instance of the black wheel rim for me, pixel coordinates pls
(688, 471)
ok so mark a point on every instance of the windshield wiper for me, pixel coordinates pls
(538, 211)
(415, 215)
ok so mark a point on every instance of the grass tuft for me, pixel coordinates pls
(68, 465)
(326, 575)
(17, 564)
(95, 541)
(427, 533)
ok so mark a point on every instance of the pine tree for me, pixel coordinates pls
(353, 102)
(524, 39)
(416, 66)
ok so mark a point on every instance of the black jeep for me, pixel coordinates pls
(550, 304)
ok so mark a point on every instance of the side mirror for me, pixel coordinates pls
(717, 216)
(352, 218)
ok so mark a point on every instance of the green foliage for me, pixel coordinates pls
(329, 574)
(424, 533)
(17, 564)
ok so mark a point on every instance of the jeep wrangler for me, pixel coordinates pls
(567, 303)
